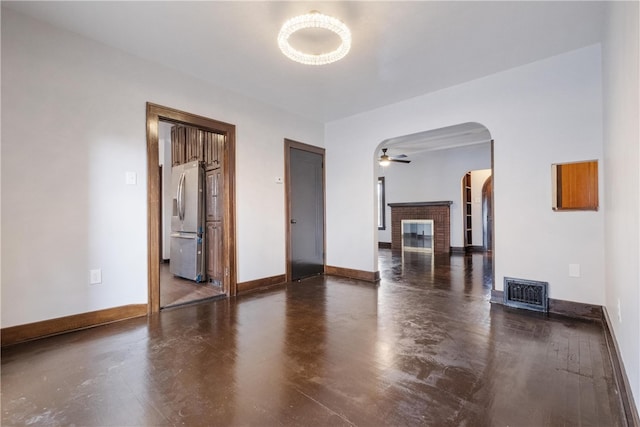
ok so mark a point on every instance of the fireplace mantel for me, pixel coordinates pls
(436, 211)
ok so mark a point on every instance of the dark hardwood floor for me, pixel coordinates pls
(425, 347)
(178, 291)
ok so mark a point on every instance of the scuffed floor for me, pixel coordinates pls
(424, 347)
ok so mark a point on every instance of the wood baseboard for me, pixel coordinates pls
(266, 282)
(497, 297)
(367, 276)
(627, 404)
(573, 309)
(384, 245)
(45, 328)
(457, 250)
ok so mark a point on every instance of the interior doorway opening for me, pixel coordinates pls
(474, 205)
(425, 168)
(190, 164)
(205, 157)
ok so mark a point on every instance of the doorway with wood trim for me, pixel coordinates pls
(305, 216)
(213, 151)
(476, 208)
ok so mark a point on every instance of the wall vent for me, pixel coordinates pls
(527, 294)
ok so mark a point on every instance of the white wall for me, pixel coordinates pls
(433, 176)
(73, 123)
(545, 112)
(622, 165)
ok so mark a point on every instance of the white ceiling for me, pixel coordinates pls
(400, 49)
(421, 143)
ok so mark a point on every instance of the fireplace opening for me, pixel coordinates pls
(417, 235)
(436, 212)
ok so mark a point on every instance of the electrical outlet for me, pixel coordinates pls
(95, 276)
(619, 312)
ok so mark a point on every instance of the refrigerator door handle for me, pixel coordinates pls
(180, 197)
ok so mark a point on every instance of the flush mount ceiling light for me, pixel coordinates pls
(314, 19)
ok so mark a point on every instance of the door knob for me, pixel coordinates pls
(293, 221)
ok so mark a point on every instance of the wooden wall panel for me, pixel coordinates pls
(214, 253)
(577, 186)
(213, 148)
(193, 145)
(214, 187)
(178, 145)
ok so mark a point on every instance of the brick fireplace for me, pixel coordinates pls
(436, 211)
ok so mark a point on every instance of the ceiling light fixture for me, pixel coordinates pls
(384, 160)
(314, 19)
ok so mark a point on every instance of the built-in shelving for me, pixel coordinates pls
(467, 206)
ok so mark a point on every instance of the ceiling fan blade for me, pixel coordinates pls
(386, 158)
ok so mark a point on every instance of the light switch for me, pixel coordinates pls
(131, 178)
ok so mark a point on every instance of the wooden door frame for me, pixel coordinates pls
(155, 113)
(160, 208)
(288, 145)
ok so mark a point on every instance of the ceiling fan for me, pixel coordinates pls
(385, 159)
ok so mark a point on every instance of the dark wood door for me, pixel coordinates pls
(213, 147)
(214, 191)
(214, 214)
(306, 187)
(214, 245)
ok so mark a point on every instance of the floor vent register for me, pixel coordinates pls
(527, 294)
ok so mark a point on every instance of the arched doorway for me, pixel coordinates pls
(439, 157)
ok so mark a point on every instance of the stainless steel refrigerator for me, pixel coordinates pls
(187, 255)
